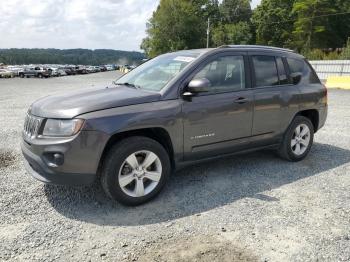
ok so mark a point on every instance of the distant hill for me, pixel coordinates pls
(16, 56)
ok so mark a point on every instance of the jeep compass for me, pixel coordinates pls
(173, 110)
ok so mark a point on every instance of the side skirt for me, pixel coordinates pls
(183, 164)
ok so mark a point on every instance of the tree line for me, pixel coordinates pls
(15, 56)
(316, 28)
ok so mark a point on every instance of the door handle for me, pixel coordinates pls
(241, 100)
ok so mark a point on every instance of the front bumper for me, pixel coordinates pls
(81, 158)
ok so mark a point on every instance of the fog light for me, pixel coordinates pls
(54, 159)
(58, 158)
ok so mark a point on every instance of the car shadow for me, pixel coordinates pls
(197, 188)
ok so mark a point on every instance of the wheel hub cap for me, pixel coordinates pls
(139, 173)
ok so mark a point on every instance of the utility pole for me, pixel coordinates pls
(208, 32)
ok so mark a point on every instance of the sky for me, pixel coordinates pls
(92, 24)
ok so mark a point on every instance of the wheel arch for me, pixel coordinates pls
(313, 115)
(158, 134)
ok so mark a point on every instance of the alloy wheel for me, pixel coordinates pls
(300, 139)
(140, 173)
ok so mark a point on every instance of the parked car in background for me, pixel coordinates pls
(97, 69)
(174, 110)
(48, 70)
(39, 72)
(4, 73)
(15, 69)
(110, 68)
(57, 72)
(103, 68)
(70, 70)
(81, 70)
(90, 69)
(125, 69)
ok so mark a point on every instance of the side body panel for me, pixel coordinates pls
(162, 114)
(213, 122)
(217, 123)
(274, 106)
(313, 96)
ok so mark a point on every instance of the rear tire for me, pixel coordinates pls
(135, 170)
(297, 140)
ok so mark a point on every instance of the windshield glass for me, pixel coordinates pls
(156, 73)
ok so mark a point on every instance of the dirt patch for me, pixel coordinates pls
(204, 249)
(7, 158)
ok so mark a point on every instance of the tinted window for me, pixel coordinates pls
(313, 78)
(265, 71)
(224, 73)
(281, 71)
(299, 66)
(295, 65)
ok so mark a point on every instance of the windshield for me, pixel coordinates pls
(156, 73)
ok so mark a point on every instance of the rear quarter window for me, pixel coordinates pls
(300, 66)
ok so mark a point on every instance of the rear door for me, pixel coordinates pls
(215, 121)
(275, 98)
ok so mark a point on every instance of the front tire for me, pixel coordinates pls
(135, 170)
(297, 140)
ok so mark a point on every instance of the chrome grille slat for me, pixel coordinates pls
(31, 126)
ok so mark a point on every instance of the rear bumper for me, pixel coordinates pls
(323, 112)
(36, 167)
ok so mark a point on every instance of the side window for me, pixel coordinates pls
(265, 71)
(224, 73)
(301, 67)
(281, 72)
(295, 65)
(312, 76)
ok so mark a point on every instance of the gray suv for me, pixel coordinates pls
(176, 109)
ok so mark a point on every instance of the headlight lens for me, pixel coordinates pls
(60, 127)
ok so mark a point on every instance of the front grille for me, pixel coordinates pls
(31, 126)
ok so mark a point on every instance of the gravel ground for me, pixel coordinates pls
(253, 207)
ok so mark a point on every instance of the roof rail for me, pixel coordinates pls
(257, 47)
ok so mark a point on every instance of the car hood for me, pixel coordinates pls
(75, 103)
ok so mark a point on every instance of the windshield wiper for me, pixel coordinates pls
(127, 84)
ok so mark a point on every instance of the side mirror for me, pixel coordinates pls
(296, 78)
(199, 86)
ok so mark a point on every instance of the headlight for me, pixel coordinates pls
(57, 127)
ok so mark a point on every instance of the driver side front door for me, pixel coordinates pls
(219, 121)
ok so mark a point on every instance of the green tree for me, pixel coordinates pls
(234, 11)
(175, 25)
(273, 21)
(346, 52)
(68, 56)
(339, 24)
(312, 28)
(234, 26)
(235, 34)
